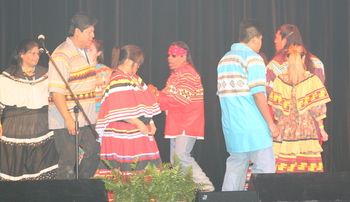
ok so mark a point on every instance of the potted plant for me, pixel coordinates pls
(163, 183)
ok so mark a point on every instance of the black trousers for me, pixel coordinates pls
(65, 145)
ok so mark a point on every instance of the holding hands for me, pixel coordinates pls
(142, 127)
(146, 129)
(153, 90)
(152, 128)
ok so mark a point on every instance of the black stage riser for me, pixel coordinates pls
(53, 191)
(302, 187)
(266, 188)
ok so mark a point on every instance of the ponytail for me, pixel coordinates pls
(296, 66)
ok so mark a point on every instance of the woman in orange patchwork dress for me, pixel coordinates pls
(125, 122)
(298, 98)
(286, 35)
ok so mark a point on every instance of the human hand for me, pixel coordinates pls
(324, 135)
(153, 90)
(70, 124)
(274, 130)
(152, 129)
(142, 127)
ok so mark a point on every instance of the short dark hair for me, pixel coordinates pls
(249, 29)
(80, 21)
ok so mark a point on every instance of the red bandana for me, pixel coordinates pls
(176, 50)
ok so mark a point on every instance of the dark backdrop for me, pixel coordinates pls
(209, 27)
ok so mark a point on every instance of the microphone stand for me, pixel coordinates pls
(76, 113)
(77, 107)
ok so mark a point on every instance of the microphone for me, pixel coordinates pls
(41, 40)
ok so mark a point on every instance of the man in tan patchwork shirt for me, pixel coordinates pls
(73, 62)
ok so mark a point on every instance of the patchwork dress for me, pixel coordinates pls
(122, 143)
(27, 149)
(297, 148)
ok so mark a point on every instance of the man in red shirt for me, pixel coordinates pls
(182, 99)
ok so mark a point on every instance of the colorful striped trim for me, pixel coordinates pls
(231, 59)
(28, 176)
(299, 163)
(83, 74)
(30, 141)
(82, 96)
(315, 94)
(134, 158)
(31, 82)
(283, 167)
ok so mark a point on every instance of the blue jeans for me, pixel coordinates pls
(237, 166)
(181, 146)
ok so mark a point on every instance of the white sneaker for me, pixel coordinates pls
(206, 188)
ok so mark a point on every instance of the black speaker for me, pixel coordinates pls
(226, 196)
(53, 190)
(302, 187)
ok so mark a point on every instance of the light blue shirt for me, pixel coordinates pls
(241, 74)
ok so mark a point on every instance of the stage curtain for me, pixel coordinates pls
(209, 27)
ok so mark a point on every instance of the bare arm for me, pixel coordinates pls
(152, 128)
(324, 134)
(261, 102)
(60, 102)
(144, 129)
(140, 125)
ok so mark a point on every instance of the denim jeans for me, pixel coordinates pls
(237, 166)
(181, 146)
(65, 145)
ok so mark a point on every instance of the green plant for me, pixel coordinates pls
(165, 183)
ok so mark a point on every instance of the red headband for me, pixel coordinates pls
(176, 50)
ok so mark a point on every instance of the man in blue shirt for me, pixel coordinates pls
(246, 120)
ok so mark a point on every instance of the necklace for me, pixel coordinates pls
(134, 80)
(28, 71)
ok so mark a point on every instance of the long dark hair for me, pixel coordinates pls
(183, 45)
(293, 37)
(15, 64)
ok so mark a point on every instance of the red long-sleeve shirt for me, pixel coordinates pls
(182, 99)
